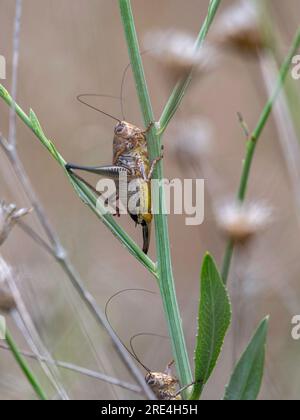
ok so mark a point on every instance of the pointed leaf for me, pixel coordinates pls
(36, 126)
(247, 377)
(214, 321)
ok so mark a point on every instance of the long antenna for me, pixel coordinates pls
(110, 96)
(122, 89)
(132, 353)
(123, 84)
(95, 108)
(143, 334)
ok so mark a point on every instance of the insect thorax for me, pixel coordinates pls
(130, 147)
(163, 386)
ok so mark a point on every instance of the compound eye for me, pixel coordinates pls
(119, 129)
(150, 380)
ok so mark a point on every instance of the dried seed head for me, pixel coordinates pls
(9, 215)
(240, 222)
(239, 28)
(177, 52)
(192, 140)
(7, 302)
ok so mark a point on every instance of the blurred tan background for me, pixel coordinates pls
(74, 46)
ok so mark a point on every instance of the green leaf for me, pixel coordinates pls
(32, 379)
(36, 126)
(182, 86)
(245, 382)
(3, 92)
(214, 321)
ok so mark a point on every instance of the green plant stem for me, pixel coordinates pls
(25, 367)
(227, 260)
(165, 272)
(181, 87)
(252, 143)
(78, 369)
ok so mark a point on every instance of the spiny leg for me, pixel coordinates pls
(70, 168)
(82, 180)
(168, 370)
(153, 164)
(151, 124)
(110, 171)
(184, 388)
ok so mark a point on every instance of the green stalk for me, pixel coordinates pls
(165, 273)
(252, 142)
(25, 367)
(181, 87)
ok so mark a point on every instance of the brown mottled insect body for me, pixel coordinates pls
(163, 385)
(130, 154)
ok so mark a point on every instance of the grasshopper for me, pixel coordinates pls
(130, 154)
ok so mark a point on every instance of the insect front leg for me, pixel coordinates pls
(153, 164)
(184, 389)
(168, 370)
(119, 153)
(151, 124)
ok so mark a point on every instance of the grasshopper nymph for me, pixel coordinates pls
(130, 154)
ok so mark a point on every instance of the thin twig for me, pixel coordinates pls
(59, 251)
(24, 322)
(24, 366)
(15, 67)
(81, 370)
(36, 238)
(253, 141)
(26, 325)
(62, 258)
(287, 135)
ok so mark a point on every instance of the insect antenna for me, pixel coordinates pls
(123, 84)
(143, 334)
(83, 95)
(79, 97)
(122, 89)
(132, 353)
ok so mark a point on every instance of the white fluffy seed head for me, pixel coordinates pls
(191, 140)
(240, 222)
(9, 215)
(7, 301)
(176, 51)
(239, 28)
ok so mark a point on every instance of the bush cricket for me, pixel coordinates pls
(130, 154)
